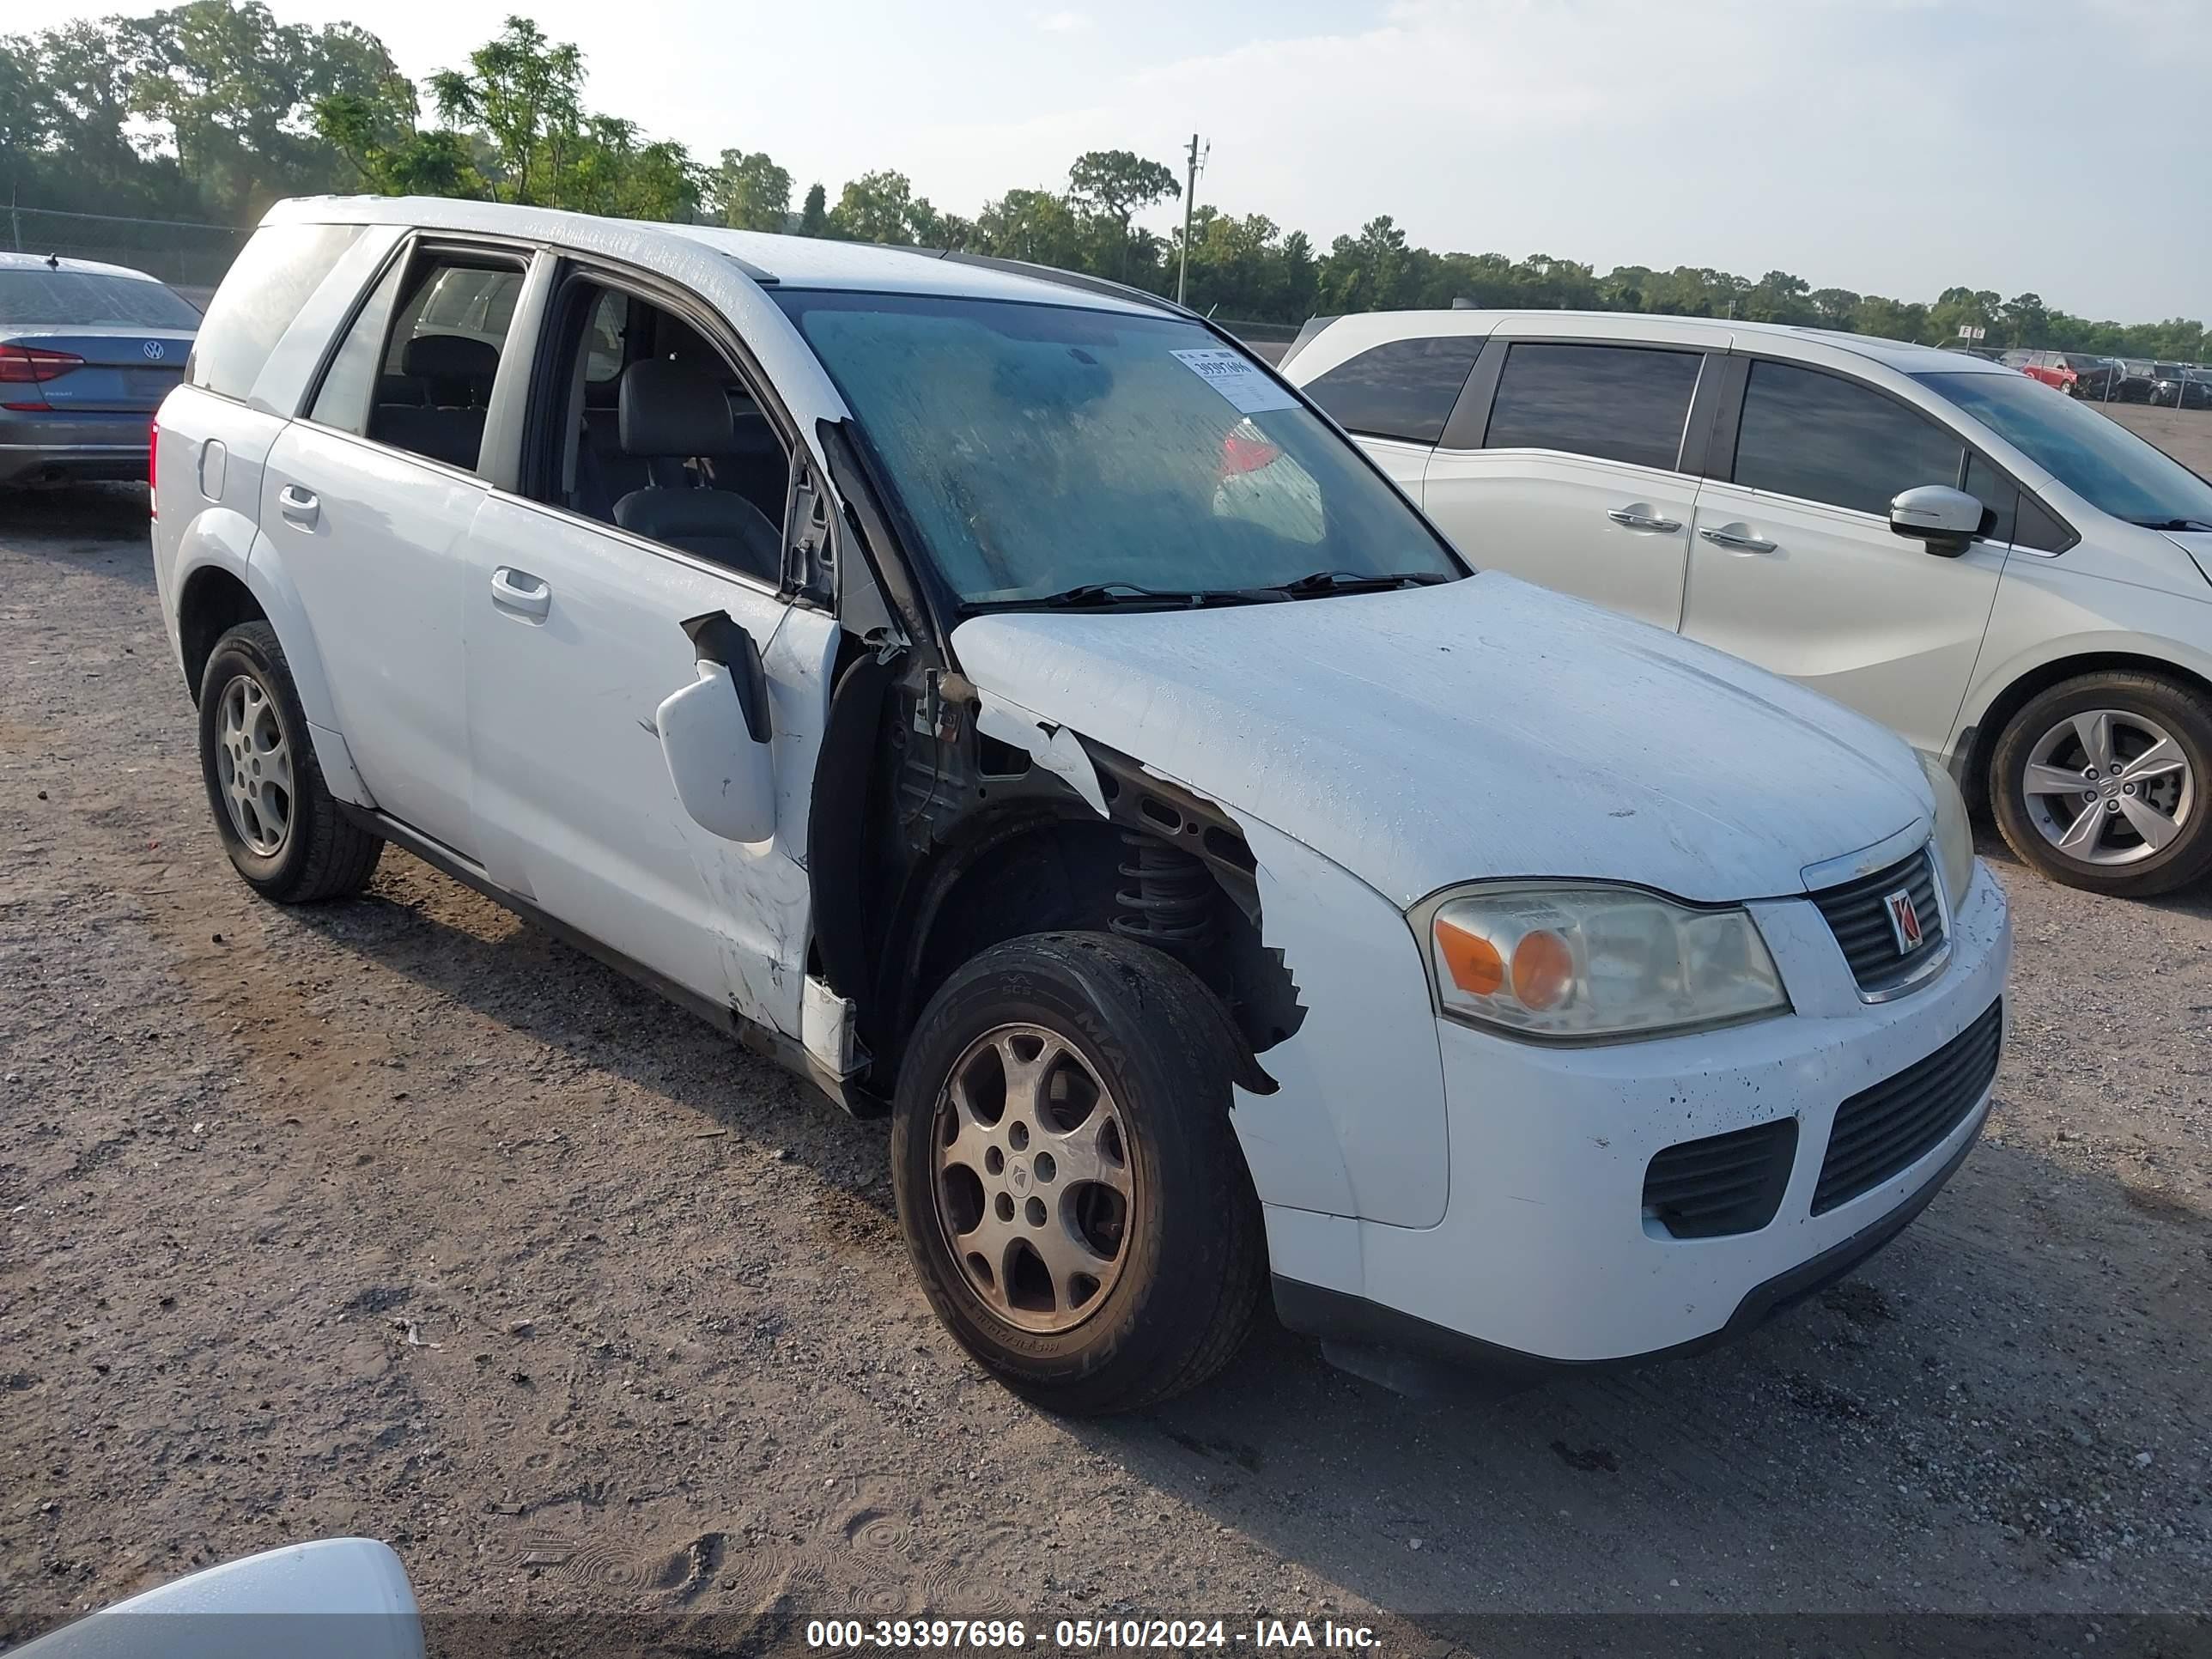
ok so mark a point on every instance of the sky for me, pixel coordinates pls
(1895, 147)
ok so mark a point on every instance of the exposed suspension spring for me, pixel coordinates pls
(1167, 898)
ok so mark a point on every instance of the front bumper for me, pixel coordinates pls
(1544, 1256)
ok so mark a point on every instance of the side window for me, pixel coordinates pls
(348, 388)
(1822, 438)
(680, 453)
(267, 284)
(1999, 496)
(1616, 402)
(434, 380)
(1402, 390)
(603, 343)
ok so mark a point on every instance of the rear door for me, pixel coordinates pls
(1795, 566)
(1563, 465)
(370, 497)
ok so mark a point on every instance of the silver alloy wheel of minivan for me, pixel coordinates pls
(2109, 787)
(254, 764)
(1034, 1187)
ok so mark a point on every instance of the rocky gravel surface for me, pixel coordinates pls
(397, 1217)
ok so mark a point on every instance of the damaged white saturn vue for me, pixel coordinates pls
(998, 696)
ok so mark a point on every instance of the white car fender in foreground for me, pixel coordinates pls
(337, 1598)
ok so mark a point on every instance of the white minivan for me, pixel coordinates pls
(998, 697)
(2017, 584)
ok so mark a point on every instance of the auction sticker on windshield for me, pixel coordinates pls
(1237, 378)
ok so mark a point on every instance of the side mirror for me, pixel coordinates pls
(715, 735)
(1946, 519)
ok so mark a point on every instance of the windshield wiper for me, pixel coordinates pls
(1100, 595)
(2172, 523)
(1356, 581)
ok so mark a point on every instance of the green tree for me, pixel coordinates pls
(526, 94)
(814, 218)
(881, 206)
(1114, 186)
(750, 192)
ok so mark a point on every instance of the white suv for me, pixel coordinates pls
(996, 696)
(2018, 585)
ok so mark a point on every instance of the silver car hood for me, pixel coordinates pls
(1484, 728)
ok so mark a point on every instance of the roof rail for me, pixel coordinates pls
(1070, 279)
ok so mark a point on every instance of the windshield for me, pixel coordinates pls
(1040, 449)
(90, 299)
(2093, 455)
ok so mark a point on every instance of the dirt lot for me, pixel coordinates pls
(395, 1217)
(2183, 434)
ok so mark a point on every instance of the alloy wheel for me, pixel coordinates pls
(1034, 1184)
(2109, 787)
(254, 765)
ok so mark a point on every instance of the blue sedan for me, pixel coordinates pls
(87, 353)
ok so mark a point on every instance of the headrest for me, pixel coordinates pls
(670, 407)
(451, 357)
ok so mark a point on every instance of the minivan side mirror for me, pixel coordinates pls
(1947, 520)
(715, 735)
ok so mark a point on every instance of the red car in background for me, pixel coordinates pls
(2049, 367)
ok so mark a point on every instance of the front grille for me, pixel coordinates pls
(1858, 916)
(1730, 1183)
(1883, 1131)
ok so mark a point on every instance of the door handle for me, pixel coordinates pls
(520, 591)
(1737, 541)
(1630, 519)
(299, 505)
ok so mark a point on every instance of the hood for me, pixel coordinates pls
(1483, 728)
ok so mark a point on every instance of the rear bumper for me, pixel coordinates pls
(43, 448)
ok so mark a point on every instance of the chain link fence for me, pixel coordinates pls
(189, 257)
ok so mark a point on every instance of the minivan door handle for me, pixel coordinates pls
(1640, 517)
(299, 505)
(1737, 539)
(520, 591)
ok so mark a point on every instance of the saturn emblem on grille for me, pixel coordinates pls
(1904, 921)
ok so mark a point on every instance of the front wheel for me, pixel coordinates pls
(1071, 1191)
(2099, 783)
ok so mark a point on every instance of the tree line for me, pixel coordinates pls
(213, 109)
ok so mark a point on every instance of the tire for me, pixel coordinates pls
(1142, 1033)
(2055, 730)
(295, 846)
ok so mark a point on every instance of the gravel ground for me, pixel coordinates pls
(395, 1218)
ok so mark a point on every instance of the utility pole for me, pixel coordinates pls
(1197, 160)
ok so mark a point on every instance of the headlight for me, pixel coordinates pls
(1955, 837)
(1569, 960)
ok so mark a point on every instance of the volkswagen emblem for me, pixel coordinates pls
(155, 351)
(1904, 921)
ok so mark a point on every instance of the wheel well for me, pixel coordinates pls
(2038, 680)
(213, 604)
(1049, 871)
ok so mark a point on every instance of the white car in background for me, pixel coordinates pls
(2019, 586)
(999, 698)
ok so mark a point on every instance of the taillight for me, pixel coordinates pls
(153, 469)
(29, 366)
(1245, 450)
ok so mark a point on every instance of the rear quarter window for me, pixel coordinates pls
(280, 269)
(1404, 389)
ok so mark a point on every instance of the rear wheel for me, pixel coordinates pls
(277, 819)
(2100, 782)
(1071, 1194)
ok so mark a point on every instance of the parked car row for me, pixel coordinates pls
(1000, 698)
(2020, 586)
(2114, 380)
